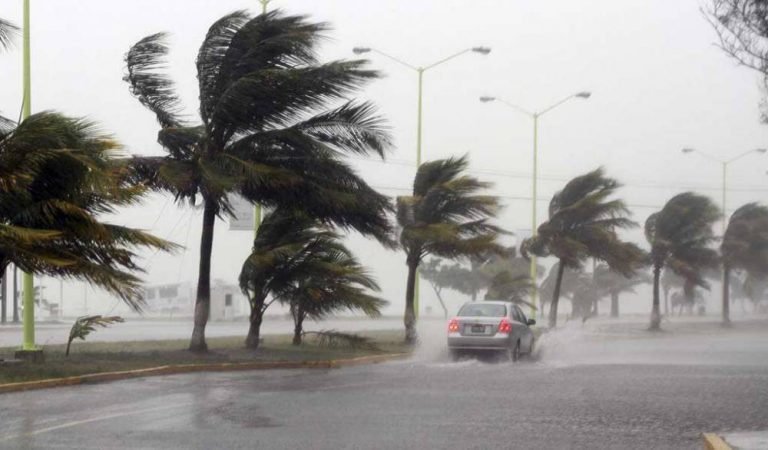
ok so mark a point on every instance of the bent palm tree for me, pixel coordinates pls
(331, 280)
(583, 223)
(444, 217)
(680, 235)
(282, 244)
(57, 175)
(745, 247)
(267, 131)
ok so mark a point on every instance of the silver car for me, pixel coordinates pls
(490, 326)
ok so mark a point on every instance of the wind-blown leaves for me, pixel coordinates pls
(8, 32)
(583, 223)
(745, 247)
(303, 264)
(680, 236)
(57, 176)
(447, 217)
(145, 63)
(270, 129)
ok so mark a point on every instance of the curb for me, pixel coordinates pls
(189, 368)
(714, 442)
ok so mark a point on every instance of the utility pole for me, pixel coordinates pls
(29, 350)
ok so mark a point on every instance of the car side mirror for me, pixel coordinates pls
(530, 322)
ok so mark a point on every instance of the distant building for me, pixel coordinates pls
(178, 300)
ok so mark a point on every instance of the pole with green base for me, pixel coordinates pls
(29, 350)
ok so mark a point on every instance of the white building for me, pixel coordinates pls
(178, 300)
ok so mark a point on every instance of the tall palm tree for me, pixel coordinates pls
(583, 223)
(267, 130)
(446, 217)
(680, 236)
(744, 247)
(331, 280)
(614, 284)
(58, 175)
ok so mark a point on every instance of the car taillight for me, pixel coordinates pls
(505, 326)
(453, 325)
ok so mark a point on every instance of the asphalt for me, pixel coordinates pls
(583, 390)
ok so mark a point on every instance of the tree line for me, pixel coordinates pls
(275, 124)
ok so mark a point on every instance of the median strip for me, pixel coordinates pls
(188, 368)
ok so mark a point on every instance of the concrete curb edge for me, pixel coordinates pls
(714, 442)
(173, 369)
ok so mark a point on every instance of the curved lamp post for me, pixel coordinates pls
(420, 72)
(535, 116)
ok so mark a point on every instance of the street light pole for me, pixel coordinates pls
(28, 314)
(420, 75)
(535, 115)
(724, 165)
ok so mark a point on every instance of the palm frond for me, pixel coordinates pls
(145, 63)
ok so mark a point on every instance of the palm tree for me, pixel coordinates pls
(267, 130)
(8, 32)
(680, 235)
(744, 247)
(447, 217)
(57, 176)
(283, 241)
(331, 280)
(614, 284)
(583, 223)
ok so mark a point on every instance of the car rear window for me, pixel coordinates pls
(483, 310)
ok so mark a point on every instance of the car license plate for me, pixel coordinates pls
(478, 328)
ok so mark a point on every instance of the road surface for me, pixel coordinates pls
(597, 390)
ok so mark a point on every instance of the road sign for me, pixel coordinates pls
(243, 218)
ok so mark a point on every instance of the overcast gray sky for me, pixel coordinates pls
(658, 84)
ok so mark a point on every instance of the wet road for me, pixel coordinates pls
(586, 391)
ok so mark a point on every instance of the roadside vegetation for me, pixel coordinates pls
(275, 126)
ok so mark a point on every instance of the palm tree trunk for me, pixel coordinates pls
(410, 317)
(614, 304)
(254, 329)
(298, 328)
(726, 295)
(656, 310)
(203, 301)
(556, 295)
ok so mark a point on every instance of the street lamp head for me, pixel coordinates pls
(360, 50)
(688, 150)
(481, 50)
(486, 99)
(584, 94)
(760, 150)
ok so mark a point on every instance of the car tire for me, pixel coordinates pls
(513, 352)
(455, 355)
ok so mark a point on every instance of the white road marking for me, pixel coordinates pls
(91, 420)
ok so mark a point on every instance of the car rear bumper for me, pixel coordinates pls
(497, 342)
